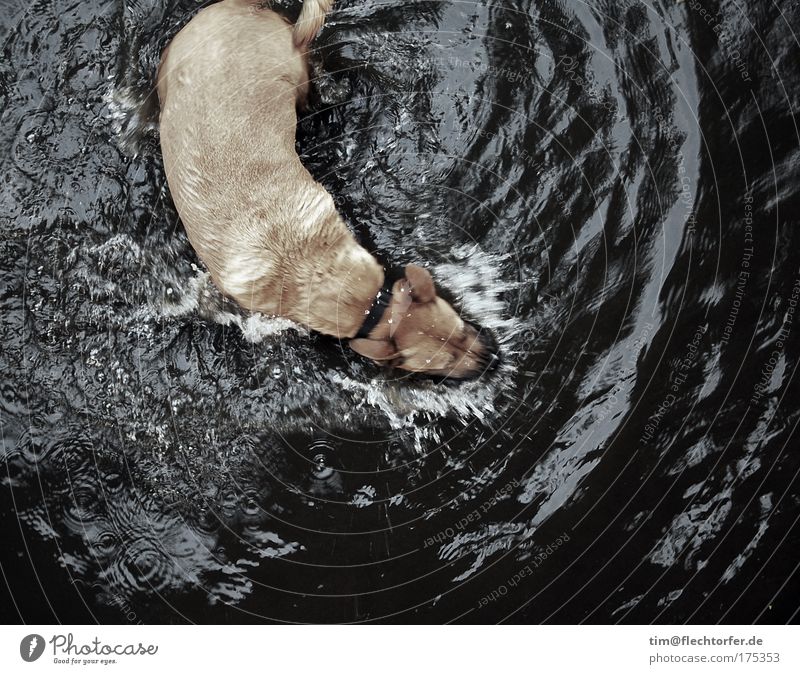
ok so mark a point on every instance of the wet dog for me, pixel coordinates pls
(229, 85)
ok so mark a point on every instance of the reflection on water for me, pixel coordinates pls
(599, 184)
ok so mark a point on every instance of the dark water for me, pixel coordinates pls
(612, 187)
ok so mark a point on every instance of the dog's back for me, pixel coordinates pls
(228, 84)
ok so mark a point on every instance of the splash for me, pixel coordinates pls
(476, 278)
(133, 114)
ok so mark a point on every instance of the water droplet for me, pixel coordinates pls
(321, 470)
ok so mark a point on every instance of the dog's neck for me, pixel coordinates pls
(334, 293)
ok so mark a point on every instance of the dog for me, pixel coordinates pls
(229, 86)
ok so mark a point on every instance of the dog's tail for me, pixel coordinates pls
(310, 21)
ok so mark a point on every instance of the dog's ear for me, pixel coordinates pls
(374, 349)
(422, 287)
(401, 301)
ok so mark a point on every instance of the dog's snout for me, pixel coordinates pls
(483, 350)
(488, 350)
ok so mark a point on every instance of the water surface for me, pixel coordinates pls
(611, 187)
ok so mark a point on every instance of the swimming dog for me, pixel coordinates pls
(229, 86)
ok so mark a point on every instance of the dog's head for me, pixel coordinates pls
(421, 332)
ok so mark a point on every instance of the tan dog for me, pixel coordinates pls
(229, 84)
